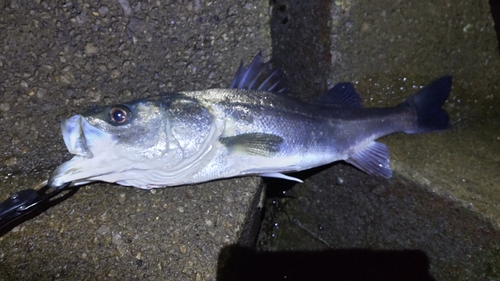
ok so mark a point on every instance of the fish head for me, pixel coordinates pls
(109, 140)
(132, 127)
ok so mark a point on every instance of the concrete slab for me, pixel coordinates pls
(406, 232)
(446, 185)
(57, 59)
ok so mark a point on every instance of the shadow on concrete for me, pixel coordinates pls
(238, 263)
(495, 13)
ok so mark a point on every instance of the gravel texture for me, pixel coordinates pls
(58, 58)
(437, 218)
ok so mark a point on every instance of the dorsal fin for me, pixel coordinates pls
(342, 94)
(258, 76)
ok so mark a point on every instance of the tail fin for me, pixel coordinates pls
(427, 105)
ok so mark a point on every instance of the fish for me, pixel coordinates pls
(250, 128)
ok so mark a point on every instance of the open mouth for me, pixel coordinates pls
(80, 137)
(92, 148)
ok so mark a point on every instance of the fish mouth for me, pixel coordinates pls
(80, 136)
(88, 144)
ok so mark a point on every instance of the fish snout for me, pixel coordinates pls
(74, 138)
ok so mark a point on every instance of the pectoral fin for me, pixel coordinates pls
(373, 160)
(254, 144)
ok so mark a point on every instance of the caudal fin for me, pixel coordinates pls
(427, 105)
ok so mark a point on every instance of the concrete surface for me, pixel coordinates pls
(342, 210)
(438, 216)
(57, 59)
(444, 197)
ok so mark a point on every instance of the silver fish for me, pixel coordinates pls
(252, 128)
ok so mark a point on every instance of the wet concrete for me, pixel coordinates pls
(443, 198)
(341, 208)
(57, 59)
(462, 164)
(389, 49)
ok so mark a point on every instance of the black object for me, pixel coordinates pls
(28, 203)
(240, 263)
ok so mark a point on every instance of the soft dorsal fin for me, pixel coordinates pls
(258, 76)
(342, 94)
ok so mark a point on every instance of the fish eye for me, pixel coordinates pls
(119, 114)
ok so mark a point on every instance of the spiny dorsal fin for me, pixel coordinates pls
(373, 159)
(342, 94)
(258, 76)
(254, 144)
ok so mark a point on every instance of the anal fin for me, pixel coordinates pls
(373, 159)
